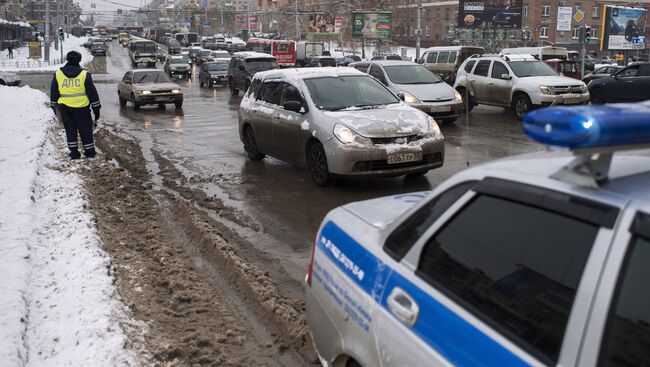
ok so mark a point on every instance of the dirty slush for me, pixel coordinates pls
(199, 295)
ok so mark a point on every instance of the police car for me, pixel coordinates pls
(540, 259)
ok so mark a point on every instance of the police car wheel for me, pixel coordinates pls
(317, 164)
(521, 105)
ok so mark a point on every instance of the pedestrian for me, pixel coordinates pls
(10, 48)
(72, 96)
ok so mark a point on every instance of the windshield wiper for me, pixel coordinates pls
(336, 108)
(367, 106)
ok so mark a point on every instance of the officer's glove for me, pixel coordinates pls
(96, 112)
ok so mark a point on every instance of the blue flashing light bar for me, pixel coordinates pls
(581, 127)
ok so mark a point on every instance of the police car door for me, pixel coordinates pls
(493, 281)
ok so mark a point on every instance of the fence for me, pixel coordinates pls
(27, 64)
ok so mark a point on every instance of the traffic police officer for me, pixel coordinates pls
(71, 93)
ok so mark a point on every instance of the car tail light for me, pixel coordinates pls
(311, 263)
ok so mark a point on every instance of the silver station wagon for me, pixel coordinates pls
(337, 122)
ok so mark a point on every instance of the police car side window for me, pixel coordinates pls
(514, 266)
(406, 234)
(627, 335)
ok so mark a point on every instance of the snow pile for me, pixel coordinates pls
(59, 306)
(22, 62)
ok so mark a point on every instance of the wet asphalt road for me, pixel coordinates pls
(203, 143)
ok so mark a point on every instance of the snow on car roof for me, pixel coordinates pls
(392, 62)
(307, 73)
(250, 54)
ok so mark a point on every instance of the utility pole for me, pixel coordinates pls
(47, 30)
(56, 24)
(221, 5)
(418, 31)
(295, 8)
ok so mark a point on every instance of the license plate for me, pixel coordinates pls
(440, 109)
(404, 157)
(572, 101)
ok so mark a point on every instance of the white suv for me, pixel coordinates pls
(518, 81)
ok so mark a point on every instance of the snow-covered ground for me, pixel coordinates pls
(59, 305)
(21, 61)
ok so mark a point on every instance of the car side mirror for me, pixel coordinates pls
(401, 96)
(506, 76)
(293, 106)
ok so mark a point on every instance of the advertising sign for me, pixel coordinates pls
(623, 28)
(240, 21)
(489, 14)
(564, 18)
(35, 50)
(322, 24)
(371, 25)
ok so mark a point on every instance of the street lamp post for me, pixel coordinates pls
(418, 31)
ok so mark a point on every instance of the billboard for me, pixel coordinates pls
(490, 14)
(35, 50)
(371, 25)
(623, 28)
(564, 14)
(324, 24)
(240, 22)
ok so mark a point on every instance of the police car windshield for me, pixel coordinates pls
(330, 93)
(150, 77)
(410, 74)
(524, 69)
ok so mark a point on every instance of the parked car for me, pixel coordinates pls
(601, 72)
(243, 67)
(630, 84)
(98, 48)
(417, 87)
(387, 57)
(568, 68)
(213, 72)
(173, 47)
(148, 86)
(10, 79)
(520, 82)
(178, 66)
(336, 122)
(320, 61)
(347, 60)
(503, 264)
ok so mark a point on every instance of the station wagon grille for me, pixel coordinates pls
(396, 140)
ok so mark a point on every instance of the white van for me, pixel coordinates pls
(541, 53)
(444, 61)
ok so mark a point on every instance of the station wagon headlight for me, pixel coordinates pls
(145, 92)
(547, 89)
(457, 97)
(434, 129)
(347, 136)
(408, 97)
(176, 91)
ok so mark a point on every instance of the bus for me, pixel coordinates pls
(541, 53)
(283, 50)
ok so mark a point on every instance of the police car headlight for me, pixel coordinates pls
(347, 136)
(176, 91)
(408, 97)
(457, 97)
(434, 129)
(547, 89)
(145, 92)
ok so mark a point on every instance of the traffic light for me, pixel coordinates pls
(61, 35)
(587, 35)
(581, 35)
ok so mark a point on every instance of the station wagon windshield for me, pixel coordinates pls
(524, 69)
(410, 74)
(150, 77)
(330, 93)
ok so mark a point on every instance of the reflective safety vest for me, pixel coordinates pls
(72, 90)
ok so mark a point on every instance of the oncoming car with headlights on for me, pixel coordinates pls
(536, 260)
(148, 86)
(337, 122)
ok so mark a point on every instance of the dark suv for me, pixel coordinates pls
(631, 84)
(244, 65)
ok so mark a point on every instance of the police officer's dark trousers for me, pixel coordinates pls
(78, 121)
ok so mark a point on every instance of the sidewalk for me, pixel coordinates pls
(59, 305)
(21, 62)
